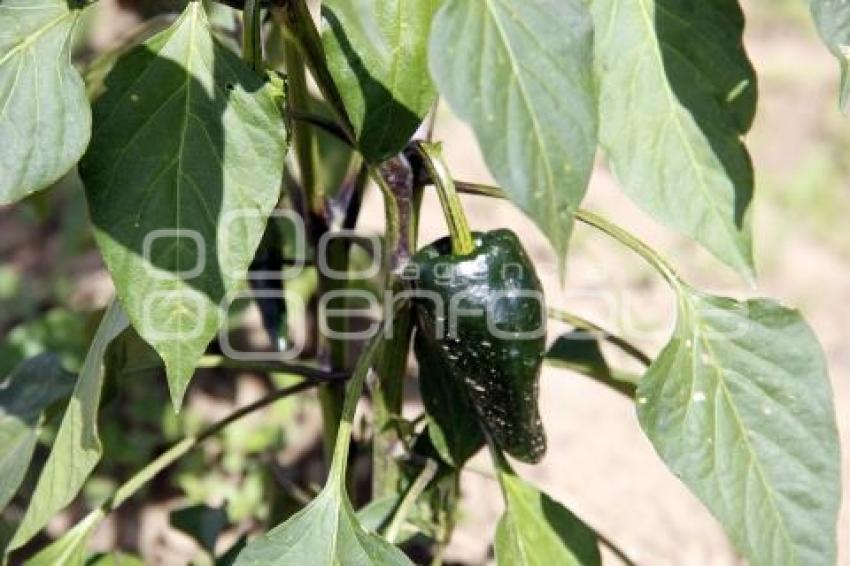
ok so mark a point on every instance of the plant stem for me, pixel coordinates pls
(295, 15)
(461, 235)
(591, 219)
(302, 41)
(395, 178)
(252, 45)
(583, 324)
(651, 256)
(349, 408)
(392, 220)
(414, 491)
(214, 361)
(304, 141)
(328, 125)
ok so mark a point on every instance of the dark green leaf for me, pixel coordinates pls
(833, 21)
(77, 448)
(377, 54)
(677, 94)
(45, 120)
(536, 530)
(453, 423)
(24, 396)
(200, 522)
(739, 406)
(183, 171)
(520, 72)
(229, 557)
(580, 351)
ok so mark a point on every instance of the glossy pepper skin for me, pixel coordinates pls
(499, 372)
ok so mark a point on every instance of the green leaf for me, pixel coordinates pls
(45, 120)
(677, 92)
(33, 386)
(202, 523)
(537, 530)
(229, 557)
(520, 72)
(739, 406)
(832, 18)
(377, 54)
(453, 424)
(327, 531)
(77, 448)
(580, 351)
(70, 548)
(183, 171)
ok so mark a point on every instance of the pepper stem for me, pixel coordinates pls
(432, 156)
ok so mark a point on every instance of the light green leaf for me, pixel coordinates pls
(33, 386)
(535, 530)
(739, 406)
(77, 448)
(520, 72)
(45, 119)
(677, 92)
(70, 548)
(377, 54)
(327, 532)
(832, 18)
(183, 171)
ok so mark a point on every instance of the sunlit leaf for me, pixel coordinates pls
(536, 530)
(833, 21)
(71, 548)
(45, 120)
(77, 447)
(677, 92)
(520, 72)
(327, 532)
(183, 171)
(739, 406)
(377, 54)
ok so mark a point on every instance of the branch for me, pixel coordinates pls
(164, 460)
(212, 361)
(583, 324)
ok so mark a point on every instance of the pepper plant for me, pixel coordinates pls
(195, 150)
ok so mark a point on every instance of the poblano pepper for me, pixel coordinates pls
(484, 314)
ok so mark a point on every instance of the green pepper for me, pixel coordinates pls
(483, 313)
